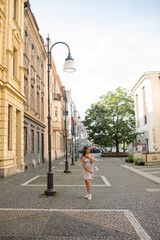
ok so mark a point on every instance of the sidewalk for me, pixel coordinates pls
(150, 171)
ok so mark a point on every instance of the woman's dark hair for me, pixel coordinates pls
(84, 150)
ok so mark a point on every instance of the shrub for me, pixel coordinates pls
(139, 161)
(130, 158)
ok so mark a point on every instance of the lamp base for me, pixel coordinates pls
(67, 171)
(50, 192)
(66, 167)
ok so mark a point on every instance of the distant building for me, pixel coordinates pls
(147, 104)
(82, 135)
(57, 93)
(70, 109)
(34, 88)
(11, 87)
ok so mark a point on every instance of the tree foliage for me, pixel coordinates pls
(111, 121)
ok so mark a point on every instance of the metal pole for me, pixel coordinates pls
(75, 140)
(50, 190)
(146, 151)
(72, 137)
(66, 162)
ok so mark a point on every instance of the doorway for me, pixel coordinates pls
(42, 147)
(18, 139)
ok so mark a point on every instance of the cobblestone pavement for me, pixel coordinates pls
(121, 208)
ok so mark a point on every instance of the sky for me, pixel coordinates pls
(113, 43)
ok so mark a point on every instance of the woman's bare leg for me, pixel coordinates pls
(88, 186)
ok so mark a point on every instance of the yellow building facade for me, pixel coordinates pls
(11, 87)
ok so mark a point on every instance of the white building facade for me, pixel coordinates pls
(147, 105)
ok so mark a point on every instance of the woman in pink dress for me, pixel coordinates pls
(87, 160)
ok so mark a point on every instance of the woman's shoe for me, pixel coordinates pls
(87, 196)
(90, 197)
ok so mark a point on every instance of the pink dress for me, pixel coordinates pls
(87, 163)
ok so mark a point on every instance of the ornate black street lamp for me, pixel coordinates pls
(66, 113)
(69, 66)
(75, 135)
(72, 163)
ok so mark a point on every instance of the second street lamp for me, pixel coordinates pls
(75, 134)
(66, 162)
(72, 163)
(69, 66)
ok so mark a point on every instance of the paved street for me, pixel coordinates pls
(125, 205)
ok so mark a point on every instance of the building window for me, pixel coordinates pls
(32, 55)
(15, 9)
(144, 105)
(25, 43)
(15, 60)
(32, 141)
(37, 141)
(56, 114)
(25, 139)
(137, 111)
(37, 65)
(9, 127)
(26, 87)
(32, 96)
(38, 110)
(42, 106)
(1, 42)
(42, 73)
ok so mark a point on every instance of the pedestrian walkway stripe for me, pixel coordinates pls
(61, 163)
(24, 184)
(153, 172)
(134, 222)
(97, 168)
(44, 185)
(61, 185)
(72, 170)
(106, 181)
(153, 189)
(143, 174)
(149, 168)
(138, 228)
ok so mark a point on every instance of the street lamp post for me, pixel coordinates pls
(69, 66)
(66, 162)
(72, 137)
(75, 136)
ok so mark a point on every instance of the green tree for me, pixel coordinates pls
(111, 121)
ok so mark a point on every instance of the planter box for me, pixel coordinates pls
(129, 161)
(115, 154)
(140, 163)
